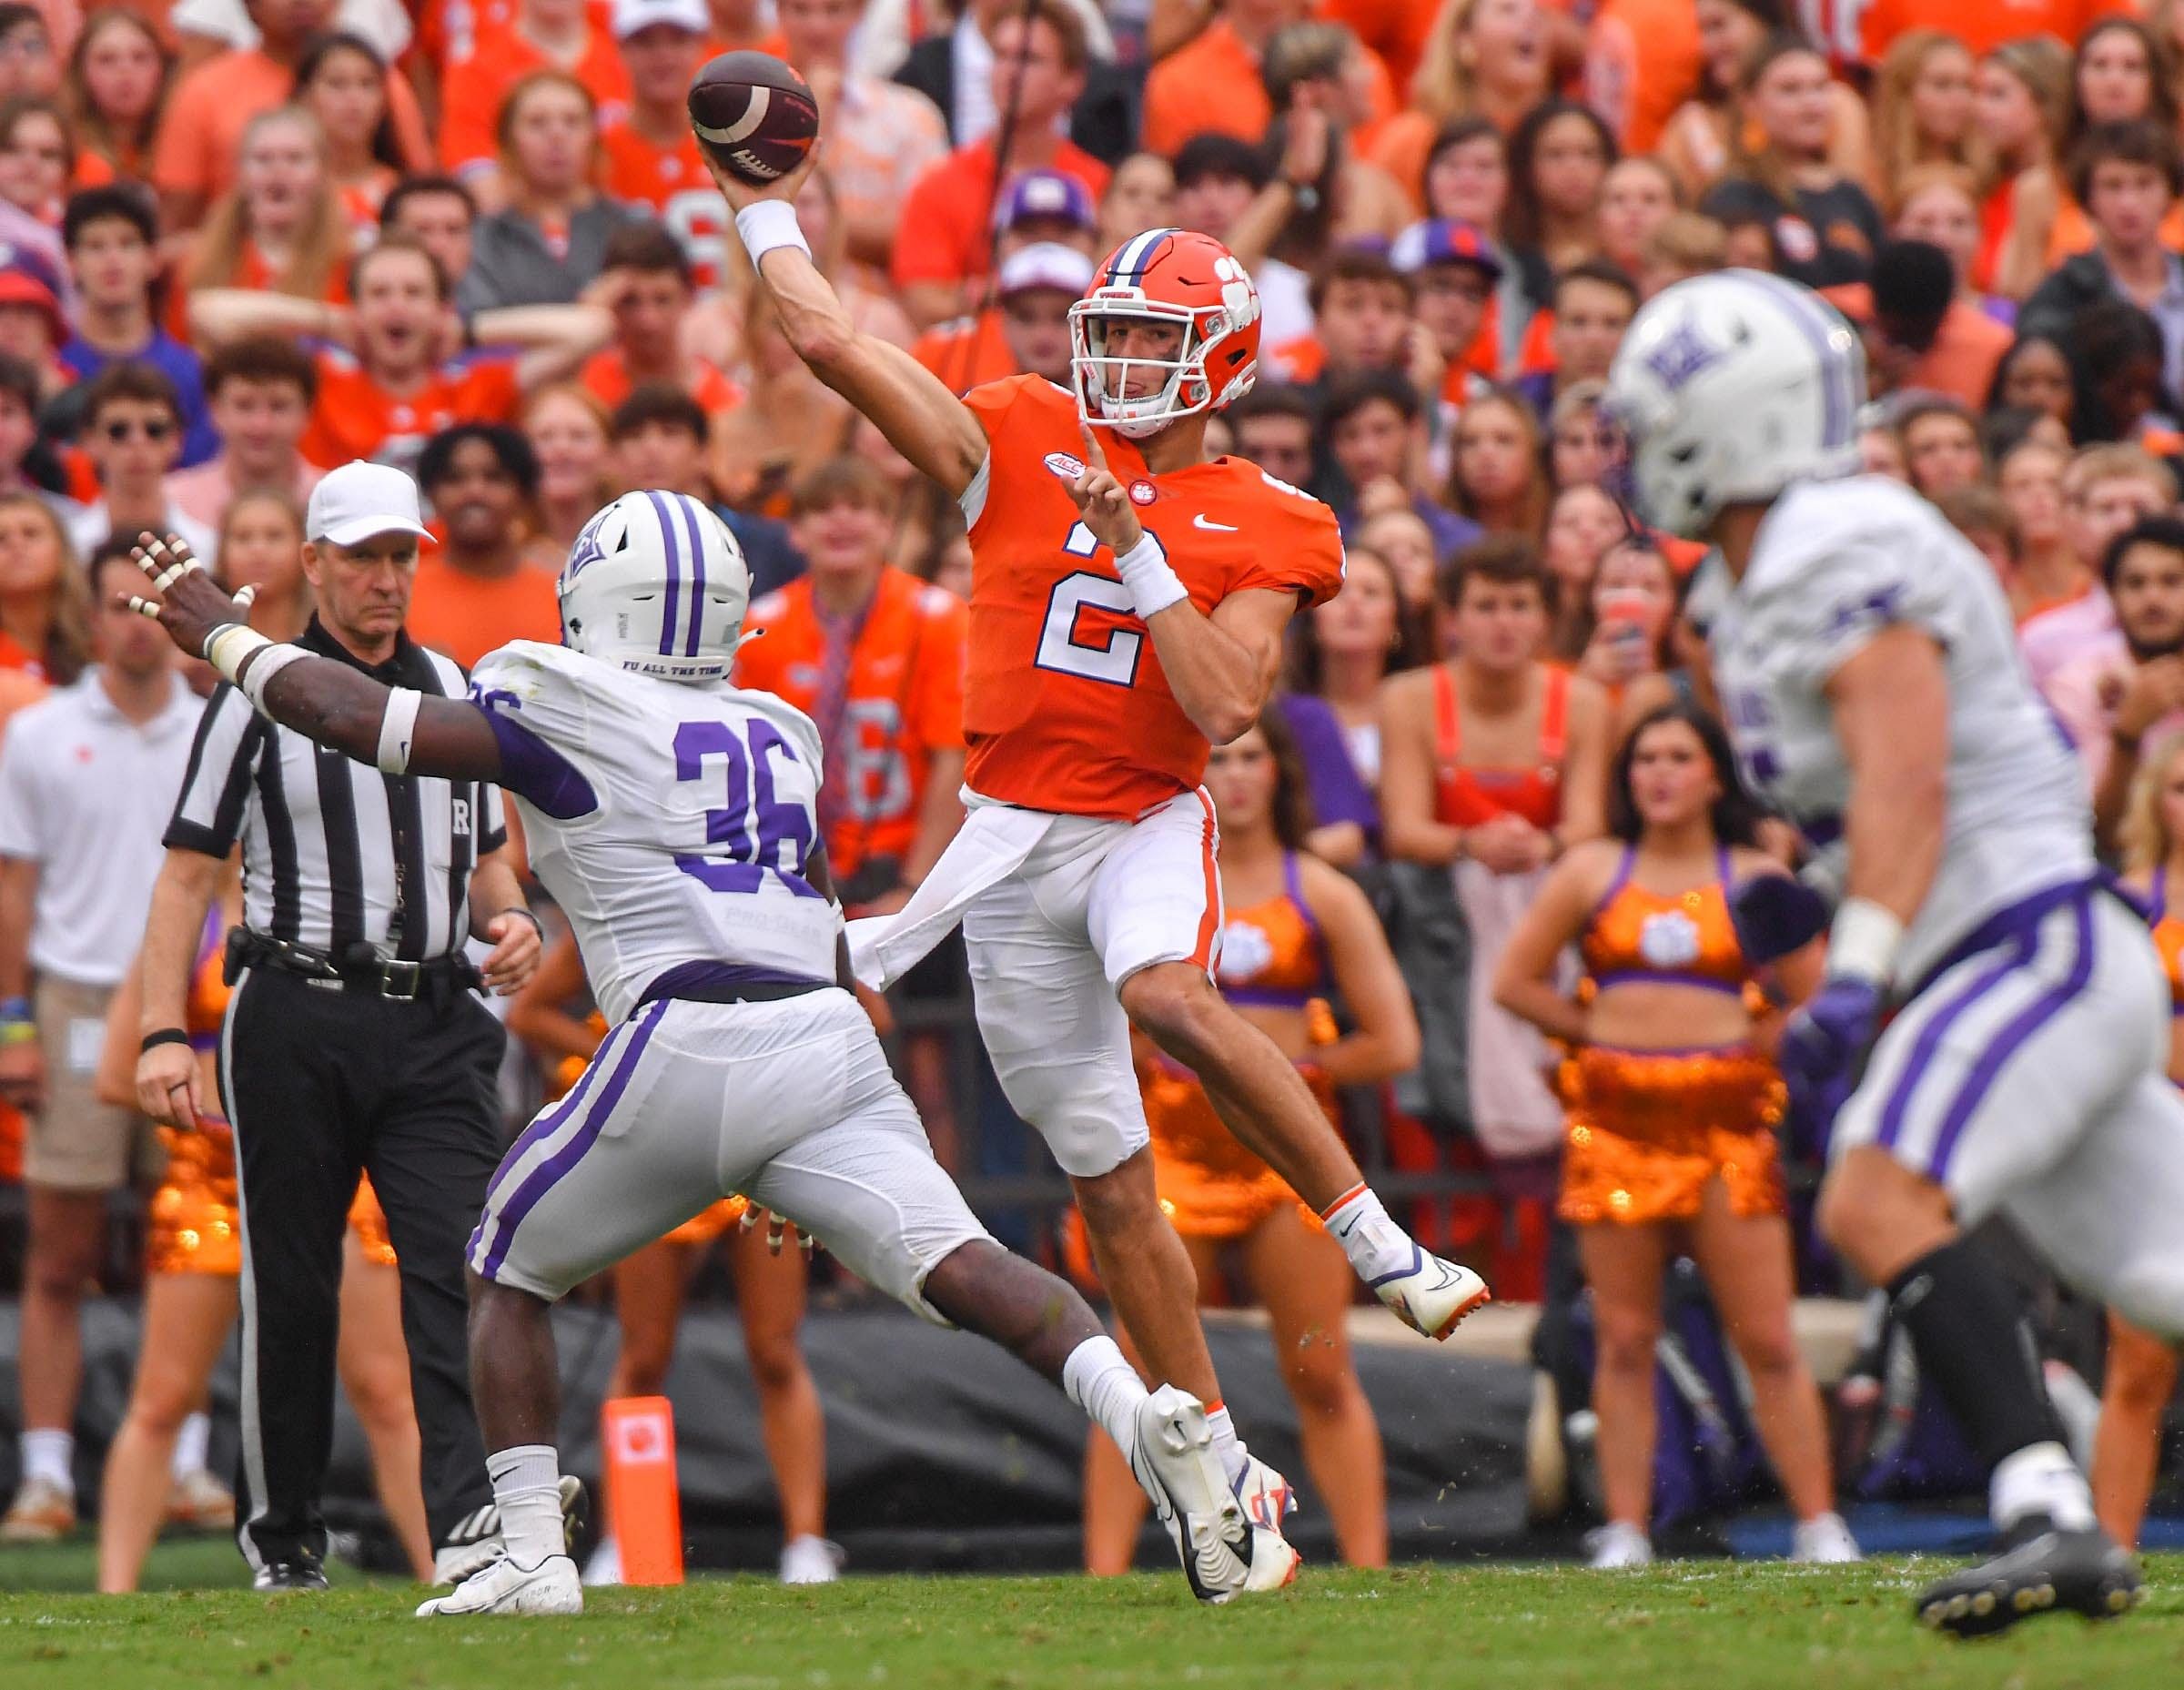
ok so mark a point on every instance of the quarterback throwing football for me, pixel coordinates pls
(1128, 605)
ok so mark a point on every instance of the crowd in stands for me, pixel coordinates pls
(243, 242)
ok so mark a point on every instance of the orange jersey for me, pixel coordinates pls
(673, 181)
(903, 705)
(1673, 939)
(354, 417)
(608, 376)
(1066, 707)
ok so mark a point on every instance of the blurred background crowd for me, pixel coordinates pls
(241, 244)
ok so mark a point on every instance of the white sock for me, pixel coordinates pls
(1100, 1380)
(46, 1454)
(1375, 1245)
(1226, 1443)
(190, 1445)
(2040, 1479)
(526, 1484)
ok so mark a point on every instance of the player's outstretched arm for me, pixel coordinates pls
(400, 731)
(1891, 703)
(905, 401)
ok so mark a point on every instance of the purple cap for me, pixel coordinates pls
(1445, 241)
(1045, 194)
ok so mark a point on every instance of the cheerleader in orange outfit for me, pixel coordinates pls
(1297, 934)
(1673, 1104)
(2141, 1369)
(649, 1288)
(193, 1257)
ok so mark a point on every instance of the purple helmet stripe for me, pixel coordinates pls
(688, 508)
(670, 631)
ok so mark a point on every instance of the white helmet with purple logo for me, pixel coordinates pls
(1732, 386)
(657, 585)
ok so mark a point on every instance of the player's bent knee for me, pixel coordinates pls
(2151, 1295)
(1174, 1004)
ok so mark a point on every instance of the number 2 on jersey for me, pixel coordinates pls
(764, 835)
(1114, 662)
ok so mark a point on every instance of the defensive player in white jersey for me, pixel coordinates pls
(672, 817)
(1868, 666)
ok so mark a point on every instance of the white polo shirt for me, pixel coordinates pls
(86, 794)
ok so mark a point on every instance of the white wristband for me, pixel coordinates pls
(1153, 585)
(1864, 941)
(766, 224)
(397, 728)
(258, 675)
(227, 645)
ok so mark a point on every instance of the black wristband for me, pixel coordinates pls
(529, 916)
(165, 1036)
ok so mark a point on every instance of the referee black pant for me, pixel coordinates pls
(320, 1084)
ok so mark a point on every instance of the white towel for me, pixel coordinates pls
(992, 844)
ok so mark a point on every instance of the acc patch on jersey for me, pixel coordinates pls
(1064, 466)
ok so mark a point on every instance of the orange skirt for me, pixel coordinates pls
(195, 1220)
(1647, 1132)
(1209, 1184)
(709, 1222)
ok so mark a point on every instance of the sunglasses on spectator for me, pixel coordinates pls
(151, 428)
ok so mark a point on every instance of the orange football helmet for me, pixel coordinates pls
(1169, 275)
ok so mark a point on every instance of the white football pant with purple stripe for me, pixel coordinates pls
(790, 1103)
(2031, 1079)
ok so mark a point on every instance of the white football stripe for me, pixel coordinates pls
(743, 127)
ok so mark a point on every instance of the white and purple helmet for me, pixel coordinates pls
(1731, 387)
(657, 585)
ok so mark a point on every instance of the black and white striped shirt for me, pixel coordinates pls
(318, 830)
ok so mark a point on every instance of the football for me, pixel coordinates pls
(753, 115)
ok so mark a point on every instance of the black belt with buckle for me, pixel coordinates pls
(362, 968)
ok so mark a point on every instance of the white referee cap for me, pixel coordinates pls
(360, 500)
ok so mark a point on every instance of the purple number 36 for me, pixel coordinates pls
(764, 835)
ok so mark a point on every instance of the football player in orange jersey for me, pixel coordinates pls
(1105, 658)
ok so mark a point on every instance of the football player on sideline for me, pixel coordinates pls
(673, 818)
(1127, 606)
(1868, 667)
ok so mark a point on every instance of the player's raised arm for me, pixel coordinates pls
(397, 729)
(905, 401)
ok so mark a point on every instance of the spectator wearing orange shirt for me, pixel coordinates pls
(651, 295)
(475, 591)
(114, 86)
(280, 229)
(874, 656)
(1980, 26)
(547, 35)
(259, 393)
(875, 138)
(947, 229)
(1212, 82)
(1921, 332)
(393, 391)
(1040, 208)
(1641, 62)
(1485, 59)
(650, 154)
(201, 132)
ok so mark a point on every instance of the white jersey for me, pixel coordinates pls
(672, 822)
(1834, 565)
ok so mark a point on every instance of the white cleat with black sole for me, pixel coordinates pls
(1175, 1462)
(503, 1587)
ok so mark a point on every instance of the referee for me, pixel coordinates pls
(353, 1042)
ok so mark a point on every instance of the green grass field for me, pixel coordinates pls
(1697, 1625)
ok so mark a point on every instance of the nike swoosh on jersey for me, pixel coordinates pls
(1201, 520)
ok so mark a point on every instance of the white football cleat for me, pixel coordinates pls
(1266, 1499)
(550, 1588)
(809, 1560)
(1174, 1461)
(1430, 1296)
(476, 1543)
(1616, 1545)
(1824, 1541)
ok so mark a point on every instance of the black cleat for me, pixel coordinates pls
(2040, 1568)
(304, 1573)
